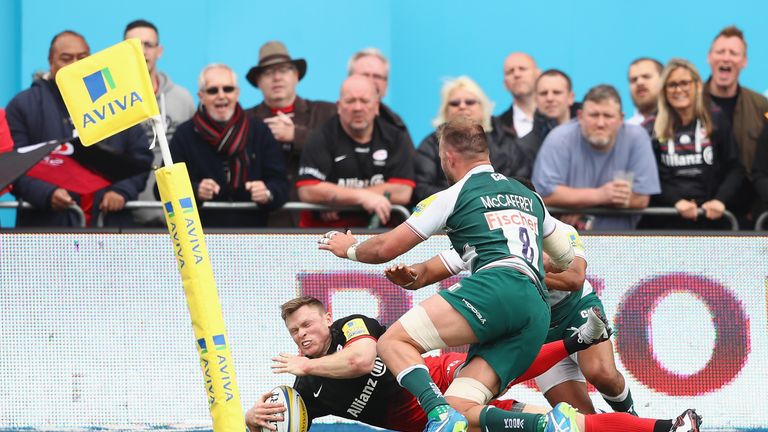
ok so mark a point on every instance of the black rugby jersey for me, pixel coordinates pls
(373, 398)
(330, 155)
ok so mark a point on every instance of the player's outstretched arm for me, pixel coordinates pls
(356, 359)
(376, 250)
(262, 412)
(418, 275)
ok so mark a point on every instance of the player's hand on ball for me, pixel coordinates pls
(337, 242)
(403, 275)
(288, 363)
(264, 412)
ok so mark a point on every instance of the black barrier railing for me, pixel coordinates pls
(761, 220)
(403, 211)
(650, 211)
(249, 206)
(21, 205)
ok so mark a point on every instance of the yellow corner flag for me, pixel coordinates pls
(108, 92)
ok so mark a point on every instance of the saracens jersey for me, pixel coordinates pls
(490, 220)
(375, 399)
(330, 155)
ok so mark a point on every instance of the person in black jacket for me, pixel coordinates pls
(760, 172)
(230, 156)
(38, 114)
(510, 155)
(698, 160)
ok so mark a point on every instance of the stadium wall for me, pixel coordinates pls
(96, 333)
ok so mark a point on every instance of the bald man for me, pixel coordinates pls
(520, 74)
(357, 159)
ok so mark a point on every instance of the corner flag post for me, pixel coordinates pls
(107, 93)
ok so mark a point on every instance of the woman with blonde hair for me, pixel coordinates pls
(463, 97)
(698, 160)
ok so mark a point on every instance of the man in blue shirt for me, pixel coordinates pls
(598, 161)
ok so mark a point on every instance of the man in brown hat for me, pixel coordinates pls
(290, 117)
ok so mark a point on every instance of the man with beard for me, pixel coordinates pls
(597, 161)
(644, 86)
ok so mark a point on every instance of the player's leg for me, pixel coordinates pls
(431, 325)
(688, 421)
(598, 365)
(574, 393)
(471, 392)
(564, 382)
(506, 358)
(594, 331)
(564, 418)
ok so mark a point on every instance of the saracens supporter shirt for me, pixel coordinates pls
(375, 398)
(695, 166)
(330, 155)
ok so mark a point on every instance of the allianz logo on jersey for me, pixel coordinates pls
(99, 84)
(511, 218)
(357, 183)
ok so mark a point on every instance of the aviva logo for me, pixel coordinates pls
(203, 346)
(220, 342)
(169, 208)
(97, 83)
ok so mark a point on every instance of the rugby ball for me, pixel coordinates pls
(295, 417)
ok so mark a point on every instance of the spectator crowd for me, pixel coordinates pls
(695, 144)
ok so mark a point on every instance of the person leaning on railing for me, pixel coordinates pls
(598, 161)
(697, 156)
(355, 159)
(230, 157)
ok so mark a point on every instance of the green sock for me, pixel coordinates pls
(416, 380)
(492, 418)
(622, 402)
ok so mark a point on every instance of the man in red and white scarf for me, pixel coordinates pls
(230, 157)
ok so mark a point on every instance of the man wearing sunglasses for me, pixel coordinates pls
(290, 117)
(175, 103)
(230, 156)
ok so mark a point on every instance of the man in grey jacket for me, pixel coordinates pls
(175, 103)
